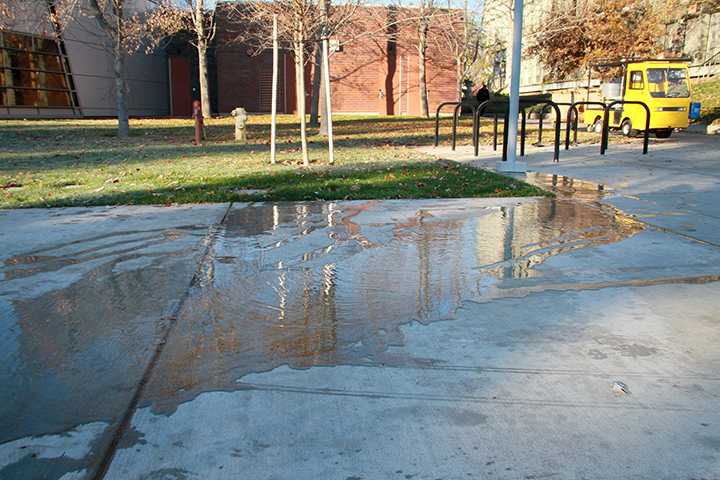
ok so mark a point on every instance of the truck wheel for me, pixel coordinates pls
(626, 127)
(596, 126)
(663, 132)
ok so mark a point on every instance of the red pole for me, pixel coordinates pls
(198, 116)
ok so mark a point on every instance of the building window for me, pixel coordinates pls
(34, 72)
(636, 80)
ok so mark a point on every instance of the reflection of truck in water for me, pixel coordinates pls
(661, 84)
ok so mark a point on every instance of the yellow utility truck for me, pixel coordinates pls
(662, 84)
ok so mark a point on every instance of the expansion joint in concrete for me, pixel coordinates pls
(208, 241)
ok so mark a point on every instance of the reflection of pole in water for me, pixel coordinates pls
(301, 212)
(330, 213)
(423, 295)
(508, 214)
(282, 295)
(276, 217)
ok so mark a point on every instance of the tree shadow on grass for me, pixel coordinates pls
(58, 158)
(353, 182)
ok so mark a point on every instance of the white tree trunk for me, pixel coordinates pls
(327, 114)
(273, 108)
(299, 47)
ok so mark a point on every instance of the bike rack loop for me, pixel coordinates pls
(606, 124)
(479, 110)
(558, 119)
(437, 120)
(456, 120)
(576, 115)
(540, 127)
(458, 105)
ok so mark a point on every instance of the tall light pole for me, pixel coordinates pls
(512, 164)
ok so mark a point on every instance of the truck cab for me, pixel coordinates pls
(661, 84)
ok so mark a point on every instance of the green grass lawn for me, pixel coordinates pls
(708, 94)
(81, 162)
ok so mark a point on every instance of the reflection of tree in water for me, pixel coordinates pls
(289, 304)
(533, 232)
(82, 349)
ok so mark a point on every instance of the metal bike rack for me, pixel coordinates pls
(458, 106)
(606, 124)
(558, 120)
(540, 129)
(476, 125)
(575, 114)
(523, 126)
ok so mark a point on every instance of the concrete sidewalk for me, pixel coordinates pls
(674, 186)
(428, 339)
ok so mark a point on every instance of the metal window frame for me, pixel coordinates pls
(60, 54)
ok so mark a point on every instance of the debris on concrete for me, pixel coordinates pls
(620, 388)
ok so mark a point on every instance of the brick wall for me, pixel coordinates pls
(372, 73)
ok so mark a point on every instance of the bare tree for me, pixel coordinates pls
(122, 32)
(426, 11)
(301, 24)
(195, 17)
(457, 32)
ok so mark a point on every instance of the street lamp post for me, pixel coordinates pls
(512, 164)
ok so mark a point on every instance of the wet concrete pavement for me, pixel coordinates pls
(359, 340)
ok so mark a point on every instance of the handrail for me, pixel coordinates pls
(606, 124)
(576, 115)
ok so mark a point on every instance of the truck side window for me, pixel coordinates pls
(636, 80)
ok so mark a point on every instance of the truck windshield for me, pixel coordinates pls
(668, 82)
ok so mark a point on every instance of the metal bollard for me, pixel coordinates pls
(240, 122)
(199, 123)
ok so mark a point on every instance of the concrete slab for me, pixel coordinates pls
(385, 339)
(438, 339)
(84, 298)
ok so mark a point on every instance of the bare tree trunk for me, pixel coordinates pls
(273, 108)
(423, 27)
(299, 47)
(323, 111)
(325, 108)
(204, 82)
(315, 98)
(202, 57)
(327, 114)
(119, 72)
(460, 81)
(422, 49)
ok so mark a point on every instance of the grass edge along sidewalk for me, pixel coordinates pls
(418, 180)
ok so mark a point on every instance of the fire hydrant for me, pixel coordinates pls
(240, 121)
(199, 123)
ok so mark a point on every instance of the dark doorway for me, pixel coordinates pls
(180, 86)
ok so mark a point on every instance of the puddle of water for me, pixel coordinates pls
(328, 284)
(301, 284)
(79, 321)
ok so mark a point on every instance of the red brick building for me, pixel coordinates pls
(374, 72)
